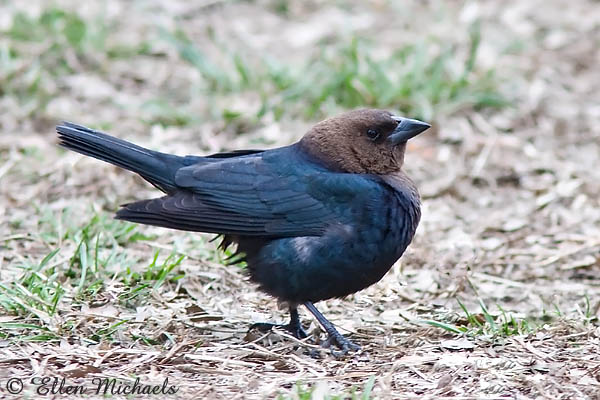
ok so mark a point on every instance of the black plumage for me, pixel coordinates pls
(322, 218)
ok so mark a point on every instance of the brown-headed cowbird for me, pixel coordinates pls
(324, 217)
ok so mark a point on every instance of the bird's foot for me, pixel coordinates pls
(333, 336)
(295, 329)
(341, 342)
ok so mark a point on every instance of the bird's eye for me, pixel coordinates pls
(372, 134)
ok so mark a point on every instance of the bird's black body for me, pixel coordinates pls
(308, 227)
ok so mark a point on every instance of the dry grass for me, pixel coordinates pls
(498, 297)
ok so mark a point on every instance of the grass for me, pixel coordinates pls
(502, 324)
(38, 51)
(429, 79)
(84, 259)
(424, 80)
(32, 45)
(35, 292)
(303, 391)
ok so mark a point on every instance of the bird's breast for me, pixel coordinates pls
(346, 258)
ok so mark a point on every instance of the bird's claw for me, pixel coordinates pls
(341, 343)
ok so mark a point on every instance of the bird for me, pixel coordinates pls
(322, 218)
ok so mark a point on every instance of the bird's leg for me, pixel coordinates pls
(334, 336)
(294, 326)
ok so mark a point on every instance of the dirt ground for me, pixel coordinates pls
(497, 297)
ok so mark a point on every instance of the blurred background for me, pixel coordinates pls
(509, 173)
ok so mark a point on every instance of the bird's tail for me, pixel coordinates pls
(157, 168)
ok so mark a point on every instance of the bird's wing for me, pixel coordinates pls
(248, 196)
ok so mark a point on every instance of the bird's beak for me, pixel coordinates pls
(407, 128)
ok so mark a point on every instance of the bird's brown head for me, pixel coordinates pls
(362, 141)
